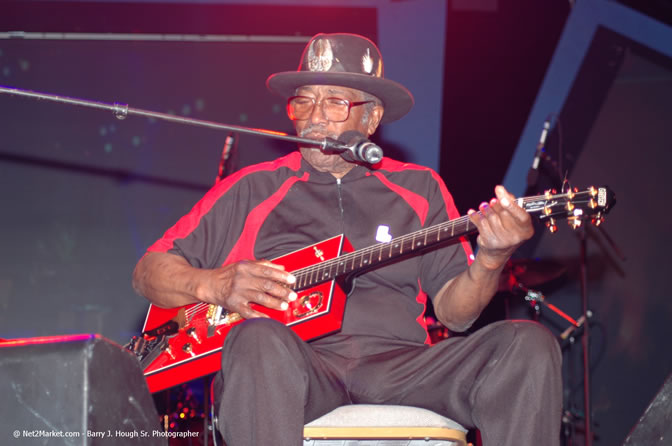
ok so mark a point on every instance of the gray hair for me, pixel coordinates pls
(368, 108)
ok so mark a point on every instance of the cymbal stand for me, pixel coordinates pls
(538, 300)
(567, 337)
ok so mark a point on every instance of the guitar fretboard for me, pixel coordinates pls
(408, 244)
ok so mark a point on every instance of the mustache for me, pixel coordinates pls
(317, 128)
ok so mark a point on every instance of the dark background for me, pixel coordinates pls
(83, 194)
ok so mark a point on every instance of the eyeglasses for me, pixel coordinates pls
(299, 108)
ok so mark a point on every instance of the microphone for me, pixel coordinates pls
(354, 146)
(533, 173)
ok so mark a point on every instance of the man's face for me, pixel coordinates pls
(318, 127)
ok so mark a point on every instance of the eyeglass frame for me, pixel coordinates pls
(315, 103)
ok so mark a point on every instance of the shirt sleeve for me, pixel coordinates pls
(206, 234)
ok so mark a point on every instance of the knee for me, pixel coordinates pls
(535, 342)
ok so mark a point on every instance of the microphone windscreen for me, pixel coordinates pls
(351, 137)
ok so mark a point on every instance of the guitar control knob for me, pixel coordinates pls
(187, 349)
(169, 352)
(192, 332)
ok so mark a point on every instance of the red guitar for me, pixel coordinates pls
(184, 343)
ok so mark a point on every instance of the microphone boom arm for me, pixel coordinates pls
(120, 111)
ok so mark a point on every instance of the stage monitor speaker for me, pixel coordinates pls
(74, 390)
(655, 426)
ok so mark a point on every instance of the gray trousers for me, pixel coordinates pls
(505, 379)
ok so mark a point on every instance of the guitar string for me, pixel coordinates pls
(400, 242)
(459, 223)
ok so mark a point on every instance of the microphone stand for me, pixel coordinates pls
(585, 342)
(537, 298)
(121, 111)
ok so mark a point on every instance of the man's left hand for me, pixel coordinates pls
(503, 226)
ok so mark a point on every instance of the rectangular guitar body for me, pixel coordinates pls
(195, 350)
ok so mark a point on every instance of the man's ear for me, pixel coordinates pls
(374, 119)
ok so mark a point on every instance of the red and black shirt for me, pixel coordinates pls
(270, 209)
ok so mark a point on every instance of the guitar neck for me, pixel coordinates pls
(547, 206)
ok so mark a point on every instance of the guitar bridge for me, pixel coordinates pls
(217, 316)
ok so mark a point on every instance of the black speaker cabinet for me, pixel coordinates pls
(74, 390)
(655, 426)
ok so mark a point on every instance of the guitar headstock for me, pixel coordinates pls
(590, 204)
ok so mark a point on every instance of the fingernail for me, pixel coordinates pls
(291, 279)
(493, 201)
(470, 211)
(284, 306)
(293, 296)
(505, 202)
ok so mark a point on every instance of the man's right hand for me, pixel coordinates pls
(237, 285)
(169, 281)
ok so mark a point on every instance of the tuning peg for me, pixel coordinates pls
(574, 222)
(597, 221)
(550, 224)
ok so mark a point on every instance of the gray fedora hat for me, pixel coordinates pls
(348, 60)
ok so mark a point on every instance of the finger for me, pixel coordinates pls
(278, 290)
(501, 216)
(248, 312)
(275, 272)
(268, 301)
(508, 202)
(485, 209)
(481, 223)
(244, 309)
(505, 198)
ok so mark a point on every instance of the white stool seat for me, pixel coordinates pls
(378, 425)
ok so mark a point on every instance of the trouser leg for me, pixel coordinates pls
(270, 384)
(504, 379)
